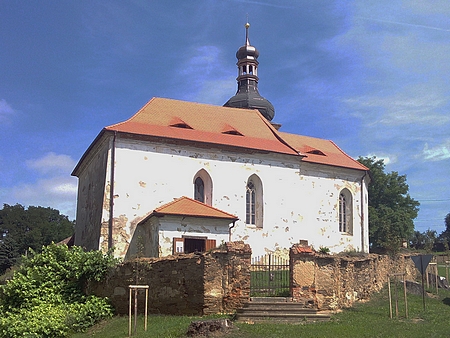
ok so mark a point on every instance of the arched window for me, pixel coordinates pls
(199, 190)
(345, 212)
(203, 187)
(250, 202)
(254, 202)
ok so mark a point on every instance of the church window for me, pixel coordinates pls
(250, 204)
(345, 212)
(254, 202)
(199, 190)
(203, 187)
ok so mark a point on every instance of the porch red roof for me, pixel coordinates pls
(185, 206)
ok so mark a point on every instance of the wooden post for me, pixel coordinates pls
(437, 283)
(396, 276)
(435, 271)
(146, 309)
(396, 297)
(446, 270)
(129, 315)
(135, 288)
(406, 299)
(390, 299)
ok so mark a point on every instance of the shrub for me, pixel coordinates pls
(46, 296)
(324, 250)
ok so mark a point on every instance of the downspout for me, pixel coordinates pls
(229, 231)
(111, 193)
(362, 211)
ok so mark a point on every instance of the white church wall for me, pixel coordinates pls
(300, 199)
(174, 227)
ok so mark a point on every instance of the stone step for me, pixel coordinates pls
(271, 299)
(282, 317)
(279, 309)
(287, 307)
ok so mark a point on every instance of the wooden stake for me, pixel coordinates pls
(390, 300)
(135, 288)
(406, 300)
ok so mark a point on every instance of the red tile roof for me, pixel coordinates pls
(224, 126)
(185, 206)
(208, 123)
(301, 249)
(321, 151)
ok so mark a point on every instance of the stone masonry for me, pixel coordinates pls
(334, 282)
(218, 281)
(185, 284)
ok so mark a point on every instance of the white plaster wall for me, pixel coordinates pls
(300, 199)
(172, 226)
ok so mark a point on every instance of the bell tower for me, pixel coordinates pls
(247, 95)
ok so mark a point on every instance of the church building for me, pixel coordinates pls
(180, 177)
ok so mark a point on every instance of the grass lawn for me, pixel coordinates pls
(370, 319)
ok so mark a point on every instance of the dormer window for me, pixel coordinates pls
(227, 129)
(232, 132)
(179, 123)
(316, 152)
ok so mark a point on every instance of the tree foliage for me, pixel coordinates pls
(391, 208)
(46, 296)
(446, 233)
(22, 229)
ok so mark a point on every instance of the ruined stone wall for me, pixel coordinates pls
(333, 282)
(184, 284)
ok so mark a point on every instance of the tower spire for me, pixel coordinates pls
(247, 26)
(247, 95)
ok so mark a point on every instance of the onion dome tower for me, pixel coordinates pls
(247, 95)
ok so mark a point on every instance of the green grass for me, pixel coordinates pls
(269, 283)
(369, 319)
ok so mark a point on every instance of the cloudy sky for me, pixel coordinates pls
(374, 76)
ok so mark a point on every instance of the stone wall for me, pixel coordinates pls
(185, 284)
(332, 282)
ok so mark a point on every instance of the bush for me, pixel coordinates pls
(46, 296)
(324, 250)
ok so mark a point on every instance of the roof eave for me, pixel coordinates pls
(75, 171)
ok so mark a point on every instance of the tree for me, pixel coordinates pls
(444, 236)
(391, 208)
(23, 229)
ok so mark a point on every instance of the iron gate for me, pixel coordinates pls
(269, 276)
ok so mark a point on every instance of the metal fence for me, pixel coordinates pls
(269, 276)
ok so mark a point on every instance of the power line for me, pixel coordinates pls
(442, 200)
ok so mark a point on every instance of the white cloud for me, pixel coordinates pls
(5, 110)
(206, 78)
(50, 185)
(438, 153)
(440, 7)
(59, 192)
(387, 158)
(413, 105)
(52, 163)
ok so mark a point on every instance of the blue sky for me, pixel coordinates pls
(373, 76)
